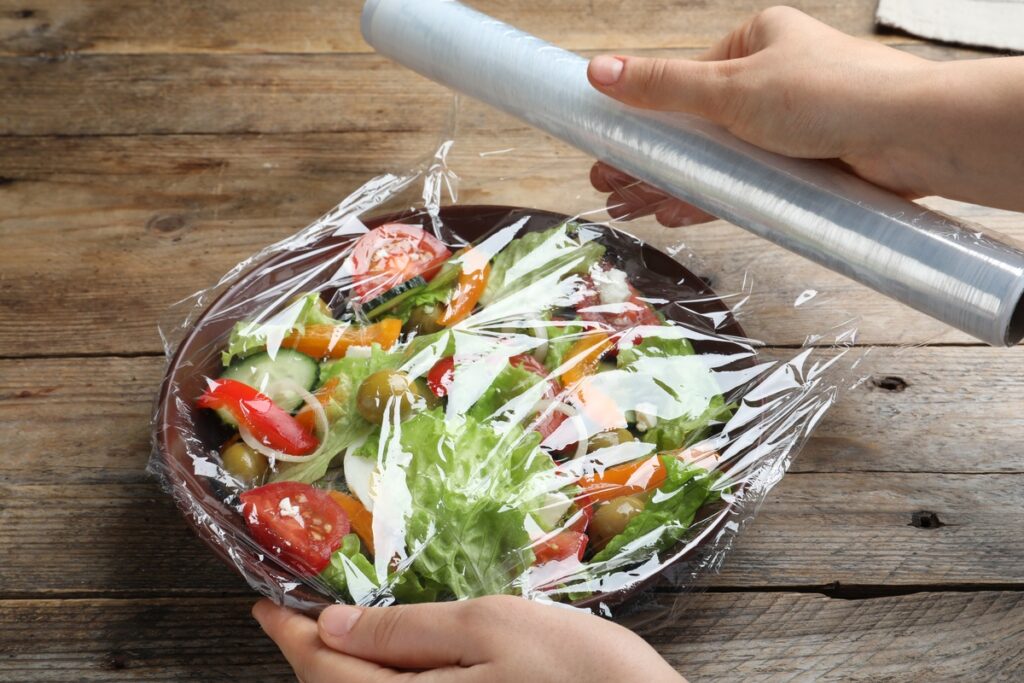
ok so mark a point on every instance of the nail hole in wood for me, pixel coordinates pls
(25, 13)
(6, 181)
(116, 661)
(925, 520)
(890, 383)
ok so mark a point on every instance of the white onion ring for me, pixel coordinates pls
(271, 453)
(318, 410)
(541, 352)
(546, 405)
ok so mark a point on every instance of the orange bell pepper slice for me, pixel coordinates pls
(333, 341)
(359, 517)
(470, 287)
(584, 355)
(622, 480)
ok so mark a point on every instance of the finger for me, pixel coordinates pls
(297, 638)
(424, 636)
(689, 86)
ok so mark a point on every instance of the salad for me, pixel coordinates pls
(513, 416)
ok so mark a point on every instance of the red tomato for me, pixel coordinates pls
(271, 425)
(552, 420)
(561, 546)
(580, 520)
(630, 313)
(298, 523)
(440, 377)
(389, 255)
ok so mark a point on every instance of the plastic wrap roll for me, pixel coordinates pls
(919, 257)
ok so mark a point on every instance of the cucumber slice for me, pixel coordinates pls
(276, 377)
(375, 306)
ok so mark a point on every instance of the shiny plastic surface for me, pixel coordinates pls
(945, 268)
(500, 400)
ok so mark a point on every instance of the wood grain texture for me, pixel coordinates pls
(141, 222)
(57, 27)
(77, 439)
(213, 93)
(713, 636)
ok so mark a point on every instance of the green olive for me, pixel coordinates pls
(243, 462)
(423, 320)
(608, 439)
(380, 390)
(611, 518)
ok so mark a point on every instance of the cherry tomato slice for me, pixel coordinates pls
(393, 253)
(440, 377)
(271, 425)
(298, 523)
(561, 546)
(550, 422)
(632, 312)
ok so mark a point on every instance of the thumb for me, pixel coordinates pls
(691, 87)
(423, 636)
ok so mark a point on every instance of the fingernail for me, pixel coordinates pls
(605, 70)
(338, 620)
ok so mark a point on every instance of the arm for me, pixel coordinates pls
(792, 85)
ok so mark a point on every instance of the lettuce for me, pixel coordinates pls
(469, 491)
(351, 575)
(668, 514)
(527, 259)
(696, 401)
(560, 340)
(509, 383)
(346, 425)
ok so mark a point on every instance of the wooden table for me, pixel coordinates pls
(146, 147)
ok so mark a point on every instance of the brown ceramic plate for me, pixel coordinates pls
(178, 424)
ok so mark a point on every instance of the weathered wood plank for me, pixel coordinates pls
(305, 26)
(143, 222)
(716, 636)
(76, 436)
(144, 94)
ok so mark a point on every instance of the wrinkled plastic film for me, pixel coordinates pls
(597, 383)
(922, 258)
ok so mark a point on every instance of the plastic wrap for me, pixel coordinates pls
(556, 410)
(927, 260)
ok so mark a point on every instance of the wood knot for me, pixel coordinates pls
(167, 223)
(115, 661)
(23, 13)
(890, 383)
(925, 520)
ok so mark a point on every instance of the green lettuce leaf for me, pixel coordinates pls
(527, 259)
(347, 426)
(469, 488)
(351, 574)
(668, 514)
(689, 381)
(560, 340)
(509, 383)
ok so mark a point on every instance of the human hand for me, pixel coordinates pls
(497, 638)
(792, 85)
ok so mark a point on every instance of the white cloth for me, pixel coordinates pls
(988, 23)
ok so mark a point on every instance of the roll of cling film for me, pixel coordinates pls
(917, 256)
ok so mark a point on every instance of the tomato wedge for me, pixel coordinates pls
(561, 546)
(584, 514)
(333, 341)
(271, 425)
(622, 480)
(440, 377)
(298, 523)
(550, 422)
(632, 312)
(360, 518)
(393, 253)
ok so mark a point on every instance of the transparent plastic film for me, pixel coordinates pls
(415, 399)
(936, 264)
